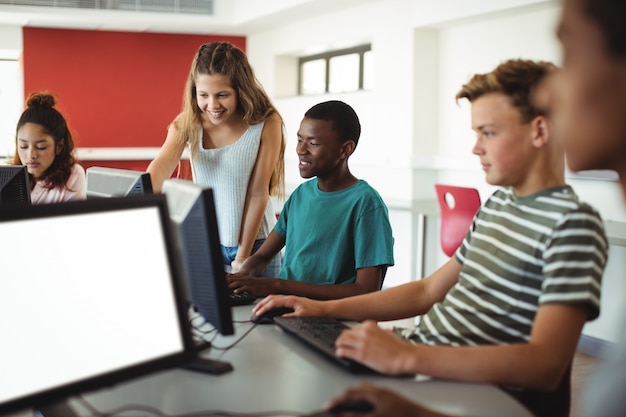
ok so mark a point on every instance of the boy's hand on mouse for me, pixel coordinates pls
(300, 305)
(380, 349)
(385, 403)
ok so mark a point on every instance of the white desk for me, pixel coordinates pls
(273, 371)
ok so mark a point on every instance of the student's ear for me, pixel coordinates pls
(541, 131)
(347, 148)
(59, 146)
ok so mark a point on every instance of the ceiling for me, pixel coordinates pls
(230, 17)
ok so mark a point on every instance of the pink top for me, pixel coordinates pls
(76, 189)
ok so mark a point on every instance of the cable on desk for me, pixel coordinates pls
(196, 322)
(236, 341)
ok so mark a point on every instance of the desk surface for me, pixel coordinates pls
(273, 371)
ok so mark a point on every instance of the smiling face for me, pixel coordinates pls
(587, 97)
(35, 148)
(216, 98)
(320, 150)
(503, 142)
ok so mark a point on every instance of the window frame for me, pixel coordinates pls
(327, 56)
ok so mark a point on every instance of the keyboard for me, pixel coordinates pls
(240, 298)
(320, 333)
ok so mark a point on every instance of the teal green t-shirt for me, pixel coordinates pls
(329, 235)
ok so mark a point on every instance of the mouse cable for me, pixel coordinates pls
(225, 348)
(149, 410)
(202, 334)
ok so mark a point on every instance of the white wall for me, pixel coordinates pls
(11, 90)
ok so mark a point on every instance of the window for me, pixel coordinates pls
(336, 72)
(10, 104)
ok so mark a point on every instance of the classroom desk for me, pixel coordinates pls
(273, 371)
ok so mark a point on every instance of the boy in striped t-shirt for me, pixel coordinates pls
(509, 306)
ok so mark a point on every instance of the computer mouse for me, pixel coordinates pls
(268, 316)
(360, 406)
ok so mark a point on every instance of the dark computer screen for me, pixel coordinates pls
(192, 211)
(103, 182)
(14, 186)
(100, 303)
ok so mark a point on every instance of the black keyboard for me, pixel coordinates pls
(240, 298)
(320, 333)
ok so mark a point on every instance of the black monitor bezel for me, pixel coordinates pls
(20, 170)
(225, 316)
(178, 359)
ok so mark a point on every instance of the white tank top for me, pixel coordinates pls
(227, 171)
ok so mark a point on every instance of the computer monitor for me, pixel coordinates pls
(103, 182)
(192, 211)
(14, 186)
(97, 302)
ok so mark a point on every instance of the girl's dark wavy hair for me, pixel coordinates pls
(40, 110)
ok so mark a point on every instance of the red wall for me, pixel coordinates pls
(116, 89)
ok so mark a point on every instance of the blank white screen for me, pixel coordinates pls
(83, 295)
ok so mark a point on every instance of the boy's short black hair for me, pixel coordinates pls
(343, 117)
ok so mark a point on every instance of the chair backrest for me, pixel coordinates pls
(457, 205)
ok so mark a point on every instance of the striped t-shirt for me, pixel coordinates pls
(520, 253)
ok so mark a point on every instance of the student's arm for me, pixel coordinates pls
(258, 194)
(538, 364)
(162, 167)
(367, 280)
(256, 264)
(408, 300)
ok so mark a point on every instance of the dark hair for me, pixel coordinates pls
(40, 110)
(343, 117)
(515, 78)
(610, 15)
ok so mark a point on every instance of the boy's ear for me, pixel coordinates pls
(541, 131)
(347, 148)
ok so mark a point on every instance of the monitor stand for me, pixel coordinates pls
(209, 366)
(205, 365)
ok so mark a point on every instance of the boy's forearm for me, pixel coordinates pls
(384, 305)
(255, 265)
(538, 364)
(520, 365)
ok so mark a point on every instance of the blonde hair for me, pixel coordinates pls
(516, 79)
(254, 104)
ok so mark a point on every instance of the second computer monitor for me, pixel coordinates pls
(14, 186)
(105, 182)
(192, 210)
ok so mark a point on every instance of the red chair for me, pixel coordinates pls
(457, 205)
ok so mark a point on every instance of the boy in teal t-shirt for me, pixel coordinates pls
(335, 228)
